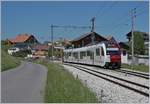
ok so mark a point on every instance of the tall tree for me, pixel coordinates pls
(138, 43)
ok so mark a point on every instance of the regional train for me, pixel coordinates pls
(104, 54)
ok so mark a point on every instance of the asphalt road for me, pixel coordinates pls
(24, 84)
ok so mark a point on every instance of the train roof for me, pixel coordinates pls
(84, 48)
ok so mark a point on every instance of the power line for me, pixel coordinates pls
(122, 17)
(72, 26)
(140, 13)
(119, 25)
(68, 26)
(110, 7)
(102, 14)
(100, 10)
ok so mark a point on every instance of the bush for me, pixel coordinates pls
(22, 53)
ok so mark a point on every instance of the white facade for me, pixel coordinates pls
(124, 57)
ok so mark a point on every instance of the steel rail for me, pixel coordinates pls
(146, 76)
(142, 75)
(131, 88)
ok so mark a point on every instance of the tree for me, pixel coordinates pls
(50, 52)
(138, 43)
(4, 42)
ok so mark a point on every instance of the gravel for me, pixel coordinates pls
(106, 91)
(132, 78)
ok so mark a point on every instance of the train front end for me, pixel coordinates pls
(113, 56)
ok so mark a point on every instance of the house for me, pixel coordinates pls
(23, 38)
(19, 47)
(87, 39)
(124, 47)
(58, 50)
(145, 35)
(40, 51)
(90, 39)
(145, 38)
(111, 39)
(94, 38)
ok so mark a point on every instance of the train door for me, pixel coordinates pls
(97, 56)
(92, 56)
(102, 56)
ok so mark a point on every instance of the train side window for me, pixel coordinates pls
(102, 51)
(66, 55)
(82, 54)
(91, 54)
(75, 55)
(97, 52)
(69, 53)
(88, 53)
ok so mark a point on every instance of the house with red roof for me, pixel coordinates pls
(23, 38)
(40, 51)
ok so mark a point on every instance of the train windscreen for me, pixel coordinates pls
(112, 52)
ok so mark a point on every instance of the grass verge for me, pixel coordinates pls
(62, 87)
(140, 67)
(8, 61)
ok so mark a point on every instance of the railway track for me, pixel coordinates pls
(138, 74)
(136, 87)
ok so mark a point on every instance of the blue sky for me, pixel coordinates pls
(36, 17)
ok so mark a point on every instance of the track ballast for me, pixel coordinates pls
(121, 82)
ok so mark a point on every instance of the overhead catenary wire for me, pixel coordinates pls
(121, 26)
(122, 17)
(124, 22)
(67, 31)
(102, 13)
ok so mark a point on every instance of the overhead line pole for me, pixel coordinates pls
(52, 33)
(93, 24)
(132, 33)
(52, 40)
(92, 30)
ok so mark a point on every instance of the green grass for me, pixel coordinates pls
(62, 87)
(140, 67)
(7, 61)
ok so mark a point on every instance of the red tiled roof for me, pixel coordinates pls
(20, 38)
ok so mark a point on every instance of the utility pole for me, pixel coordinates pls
(92, 30)
(93, 24)
(52, 40)
(133, 15)
(69, 26)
